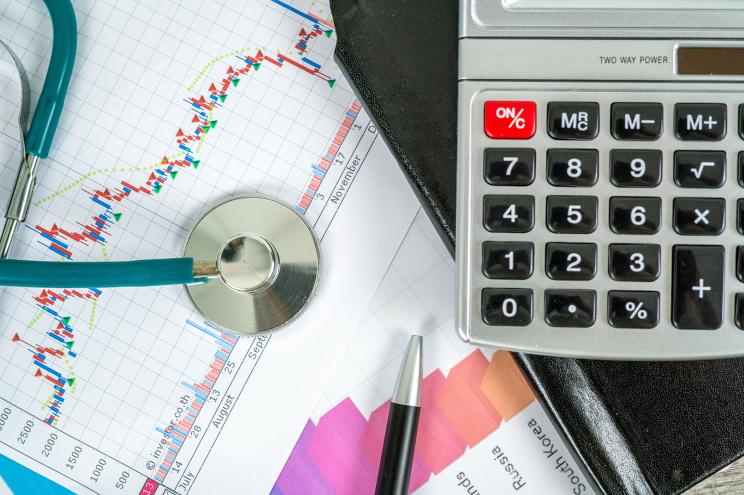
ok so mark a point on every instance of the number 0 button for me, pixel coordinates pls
(572, 214)
(507, 307)
(508, 213)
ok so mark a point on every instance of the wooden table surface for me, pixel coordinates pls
(728, 481)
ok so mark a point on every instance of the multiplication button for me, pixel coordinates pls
(509, 166)
(700, 121)
(637, 121)
(633, 309)
(507, 307)
(699, 216)
(697, 287)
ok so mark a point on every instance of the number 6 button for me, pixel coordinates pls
(634, 215)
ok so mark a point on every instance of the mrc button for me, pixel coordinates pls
(700, 121)
(573, 120)
(509, 119)
(637, 121)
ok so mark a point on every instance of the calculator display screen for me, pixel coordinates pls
(710, 61)
(624, 4)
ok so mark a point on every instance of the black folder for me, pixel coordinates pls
(639, 427)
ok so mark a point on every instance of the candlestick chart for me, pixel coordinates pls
(159, 124)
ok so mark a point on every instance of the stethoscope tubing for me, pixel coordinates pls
(98, 274)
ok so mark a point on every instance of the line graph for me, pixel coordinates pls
(99, 364)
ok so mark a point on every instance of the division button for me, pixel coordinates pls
(635, 215)
(570, 308)
(573, 168)
(509, 166)
(508, 260)
(635, 168)
(507, 307)
(508, 213)
(573, 120)
(509, 119)
(699, 216)
(700, 121)
(697, 287)
(700, 168)
(633, 309)
(637, 121)
(570, 261)
(572, 214)
(634, 262)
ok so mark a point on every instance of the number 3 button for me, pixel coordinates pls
(634, 262)
(507, 307)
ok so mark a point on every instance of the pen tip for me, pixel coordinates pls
(408, 387)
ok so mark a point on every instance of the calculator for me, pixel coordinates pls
(600, 208)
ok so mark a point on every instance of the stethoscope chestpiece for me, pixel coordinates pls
(267, 262)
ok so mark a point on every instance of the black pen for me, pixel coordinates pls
(402, 423)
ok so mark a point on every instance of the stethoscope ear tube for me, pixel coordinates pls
(52, 97)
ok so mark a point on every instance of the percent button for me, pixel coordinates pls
(633, 309)
(510, 119)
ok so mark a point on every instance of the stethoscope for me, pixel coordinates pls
(250, 265)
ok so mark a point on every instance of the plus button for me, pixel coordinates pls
(701, 288)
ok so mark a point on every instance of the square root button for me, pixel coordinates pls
(509, 119)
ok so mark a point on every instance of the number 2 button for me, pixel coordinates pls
(565, 261)
(508, 213)
(572, 214)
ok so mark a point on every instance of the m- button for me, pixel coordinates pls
(573, 120)
(700, 121)
(637, 121)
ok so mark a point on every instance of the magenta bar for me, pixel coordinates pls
(300, 475)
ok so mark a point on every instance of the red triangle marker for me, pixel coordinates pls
(38, 372)
(195, 119)
(179, 133)
(212, 88)
(303, 32)
(259, 55)
(16, 338)
(230, 70)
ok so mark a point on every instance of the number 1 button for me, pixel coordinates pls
(507, 307)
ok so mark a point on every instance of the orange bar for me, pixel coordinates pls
(505, 386)
(461, 400)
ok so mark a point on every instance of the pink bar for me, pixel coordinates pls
(334, 450)
(371, 441)
(437, 443)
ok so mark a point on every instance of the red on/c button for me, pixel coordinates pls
(510, 119)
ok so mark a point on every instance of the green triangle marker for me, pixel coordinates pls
(196, 163)
(235, 81)
(71, 381)
(66, 320)
(173, 174)
(205, 130)
(256, 66)
(117, 216)
(212, 124)
(331, 82)
(329, 32)
(156, 187)
(69, 344)
(223, 98)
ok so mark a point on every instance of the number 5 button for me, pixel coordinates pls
(507, 307)
(572, 214)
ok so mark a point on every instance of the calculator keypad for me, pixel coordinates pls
(619, 217)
